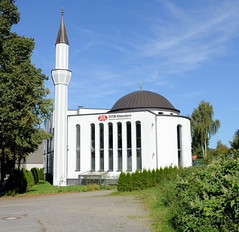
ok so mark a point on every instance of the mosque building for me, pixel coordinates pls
(142, 130)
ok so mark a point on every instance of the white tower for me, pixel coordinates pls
(61, 77)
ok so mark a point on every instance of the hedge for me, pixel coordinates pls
(145, 179)
(19, 181)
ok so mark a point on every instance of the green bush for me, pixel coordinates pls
(29, 178)
(128, 182)
(206, 198)
(38, 174)
(159, 175)
(16, 183)
(35, 175)
(153, 178)
(41, 174)
(121, 186)
(137, 183)
(146, 179)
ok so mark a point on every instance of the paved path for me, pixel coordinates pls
(81, 212)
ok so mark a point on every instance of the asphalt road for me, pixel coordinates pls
(81, 212)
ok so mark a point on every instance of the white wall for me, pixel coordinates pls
(167, 141)
(166, 153)
(158, 140)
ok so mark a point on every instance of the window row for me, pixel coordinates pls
(111, 146)
(119, 146)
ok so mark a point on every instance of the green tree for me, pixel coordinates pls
(235, 142)
(203, 127)
(221, 149)
(23, 104)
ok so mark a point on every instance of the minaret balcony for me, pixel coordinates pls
(61, 76)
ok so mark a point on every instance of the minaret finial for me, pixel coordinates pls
(140, 86)
(62, 35)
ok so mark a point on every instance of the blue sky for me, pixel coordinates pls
(187, 51)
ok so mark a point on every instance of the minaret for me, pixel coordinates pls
(61, 77)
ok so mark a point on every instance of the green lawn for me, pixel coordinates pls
(44, 187)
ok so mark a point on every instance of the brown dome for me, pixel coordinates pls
(143, 100)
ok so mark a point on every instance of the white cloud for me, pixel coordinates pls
(195, 37)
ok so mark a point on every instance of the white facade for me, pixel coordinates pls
(142, 131)
(159, 142)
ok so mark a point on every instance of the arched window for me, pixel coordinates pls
(179, 141)
(138, 145)
(92, 144)
(119, 132)
(110, 127)
(129, 146)
(78, 147)
(101, 146)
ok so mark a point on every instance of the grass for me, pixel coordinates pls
(158, 211)
(152, 199)
(44, 187)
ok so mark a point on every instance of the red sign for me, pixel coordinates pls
(102, 118)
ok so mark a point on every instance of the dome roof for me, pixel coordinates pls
(143, 100)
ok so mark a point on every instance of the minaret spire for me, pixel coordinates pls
(62, 35)
(61, 77)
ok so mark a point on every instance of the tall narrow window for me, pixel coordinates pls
(110, 125)
(78, 147)
(101, 146)
(92, 147)
(138, 145)
(119, 131)
(129, 146)
(179, 138)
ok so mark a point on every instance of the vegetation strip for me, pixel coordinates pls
(204, 198)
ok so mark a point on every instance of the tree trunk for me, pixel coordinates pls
(205, 149)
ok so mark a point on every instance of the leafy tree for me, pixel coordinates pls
(203, 127)
(23, 104)
(221, 149)
(235, 141)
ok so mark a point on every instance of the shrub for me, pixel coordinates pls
(128, 182)
(38, 174)
(30, 179)
(137, 183)
(16, 183)
(153, 178)
(121, 182)
(159, 175)
(35, 175)
(41, 174)
(145, 180)
(207, 197)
